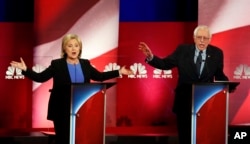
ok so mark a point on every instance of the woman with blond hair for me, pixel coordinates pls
(68, 69)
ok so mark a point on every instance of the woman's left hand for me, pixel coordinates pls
(125, 71)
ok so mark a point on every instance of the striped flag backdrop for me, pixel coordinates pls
(96, 22)
(230, 27)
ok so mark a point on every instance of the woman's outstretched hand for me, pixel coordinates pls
(21, 65)
(125, 71)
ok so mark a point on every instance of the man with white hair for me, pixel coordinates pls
(198, 62)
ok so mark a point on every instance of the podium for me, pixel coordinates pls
(209, 120)
(95, 125)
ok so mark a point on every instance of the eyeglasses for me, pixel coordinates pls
(202, 38)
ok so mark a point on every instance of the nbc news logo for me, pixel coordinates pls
(138, 70)
(112, 66)
(158, 73)
(16, 73)
(242, 72)
(13, 73)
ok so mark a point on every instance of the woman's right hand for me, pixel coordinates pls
(21, 65)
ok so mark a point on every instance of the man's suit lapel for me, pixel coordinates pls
(191, 61)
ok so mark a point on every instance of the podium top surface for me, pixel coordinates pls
(108, 84)
(232, 85)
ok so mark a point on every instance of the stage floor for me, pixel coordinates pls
(23, 138)
(40, 137)
(121, 135)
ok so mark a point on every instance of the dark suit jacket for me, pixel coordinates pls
(59, 102)
(183, 59)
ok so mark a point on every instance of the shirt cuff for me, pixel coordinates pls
(148, 59)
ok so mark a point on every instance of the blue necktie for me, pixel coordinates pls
(198, 63)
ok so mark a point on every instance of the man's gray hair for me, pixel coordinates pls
(204, 27)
